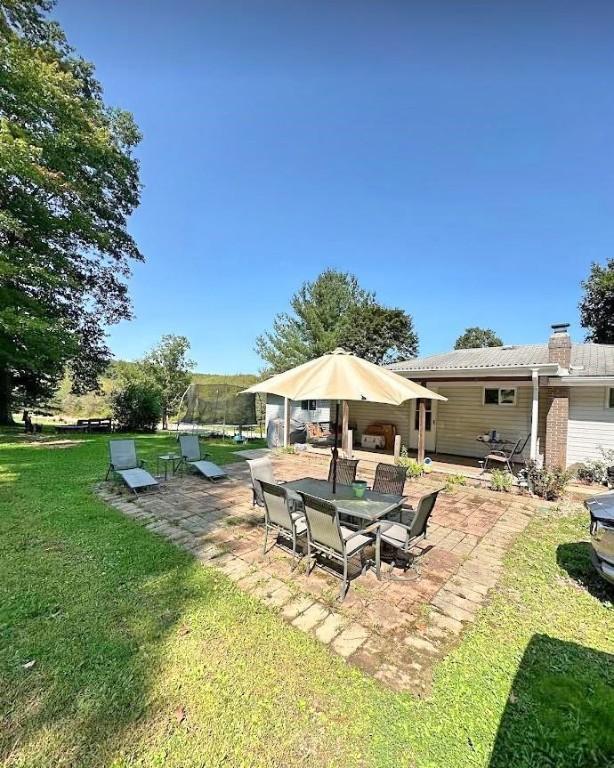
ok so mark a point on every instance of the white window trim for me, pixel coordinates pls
(499, 404)
(608, 395)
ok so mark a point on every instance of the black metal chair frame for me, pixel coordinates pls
(290, 532)
(506, 457)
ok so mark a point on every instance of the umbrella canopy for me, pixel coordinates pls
(340, 375)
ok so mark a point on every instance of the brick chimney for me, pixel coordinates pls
(559, 345)
(556, 400)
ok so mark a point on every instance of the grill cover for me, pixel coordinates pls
(601, 507)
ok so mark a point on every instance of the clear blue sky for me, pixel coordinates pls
(456, 156)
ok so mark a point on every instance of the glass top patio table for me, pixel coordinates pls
(373, 506)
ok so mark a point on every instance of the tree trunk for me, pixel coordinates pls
(6, 390)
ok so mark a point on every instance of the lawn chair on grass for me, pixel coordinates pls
(280, 515)
(191, 456)
(326, 536)
(124, 463)
(402, 538)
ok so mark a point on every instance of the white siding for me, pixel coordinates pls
(591, 424)
(363, 414)
(463, 417)
(275, 410)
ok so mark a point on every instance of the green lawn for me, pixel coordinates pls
(141, 657)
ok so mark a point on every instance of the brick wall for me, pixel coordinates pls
(556, 409)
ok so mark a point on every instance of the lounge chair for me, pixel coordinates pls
(402, 538)
(260, 469)
(326, 536)
(123, 462)
(506, 457)
(280, 515)
(192, 456)
(346, 471)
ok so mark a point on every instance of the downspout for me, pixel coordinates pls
(534, 414)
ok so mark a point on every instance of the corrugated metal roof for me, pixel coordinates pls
(595, 359)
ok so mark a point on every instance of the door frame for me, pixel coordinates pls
(430, 435)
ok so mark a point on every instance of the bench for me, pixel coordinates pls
(87, 425)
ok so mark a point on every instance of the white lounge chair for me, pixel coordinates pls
(124, 463)
(192, 456)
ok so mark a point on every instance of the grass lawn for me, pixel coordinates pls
(117, 649)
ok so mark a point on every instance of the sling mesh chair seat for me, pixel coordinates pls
(402, 538)
(192, 456)
(124, 462)
(280, 515)
(260, 469)
(506, 457)
(326, 536)
(346, 471)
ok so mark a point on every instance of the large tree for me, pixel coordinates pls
(476, 337)
(68, 183)
(597, 305)
(334, 311)
(168, 366)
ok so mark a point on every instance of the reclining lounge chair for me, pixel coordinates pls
(123, 462)
(191, 456)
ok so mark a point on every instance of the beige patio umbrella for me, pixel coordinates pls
(338, 376)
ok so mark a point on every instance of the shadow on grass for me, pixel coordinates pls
(575, 558)
(88, 600)
(560, 711)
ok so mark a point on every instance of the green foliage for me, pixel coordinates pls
(137, 406)
(334, 311)
(413, 468)
(68, 183)
(597, 305)
(476, 337)
(455, 481)
(596, 470)
(501, 480)
(168, 366)
(547, 483)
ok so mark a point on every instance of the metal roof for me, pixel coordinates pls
(587, 359)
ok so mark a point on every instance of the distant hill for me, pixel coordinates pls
(94, 404)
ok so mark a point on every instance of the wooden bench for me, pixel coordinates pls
(87, 425)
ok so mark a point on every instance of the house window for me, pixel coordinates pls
(309, 405)
(610, 399)
(499, 396)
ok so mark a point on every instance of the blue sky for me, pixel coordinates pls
(456, 156)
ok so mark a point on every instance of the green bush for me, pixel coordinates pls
(413, 468)
(596, 470)
(501, 480)
(548, 483)
(452, 481)
(137, 406)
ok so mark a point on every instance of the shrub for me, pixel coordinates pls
(453, 481)
(501, 480)
(548, 483)
(137, 406)
(413, 468)
(596, 470)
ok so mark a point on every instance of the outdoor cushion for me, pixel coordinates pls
(393, 534)
(137, 478)
(356, 542)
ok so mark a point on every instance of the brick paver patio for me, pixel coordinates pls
(395, 629)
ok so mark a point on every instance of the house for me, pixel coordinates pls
(559, 394)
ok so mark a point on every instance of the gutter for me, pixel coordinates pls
(581, 381)
(544, 369)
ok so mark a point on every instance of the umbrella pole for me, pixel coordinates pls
(335, 449)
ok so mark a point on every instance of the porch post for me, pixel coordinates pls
(421, 430)
(346, 424)
(286, 422)
(534, 415)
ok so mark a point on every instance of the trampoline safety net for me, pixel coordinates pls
(220, 406)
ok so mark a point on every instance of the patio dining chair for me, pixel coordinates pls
(191, 456)
(506, 457)
(280, 515)
(260, 469)
(402, 538)
(389, 478)
(124, 463)
(326, 536)
(346, 471)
